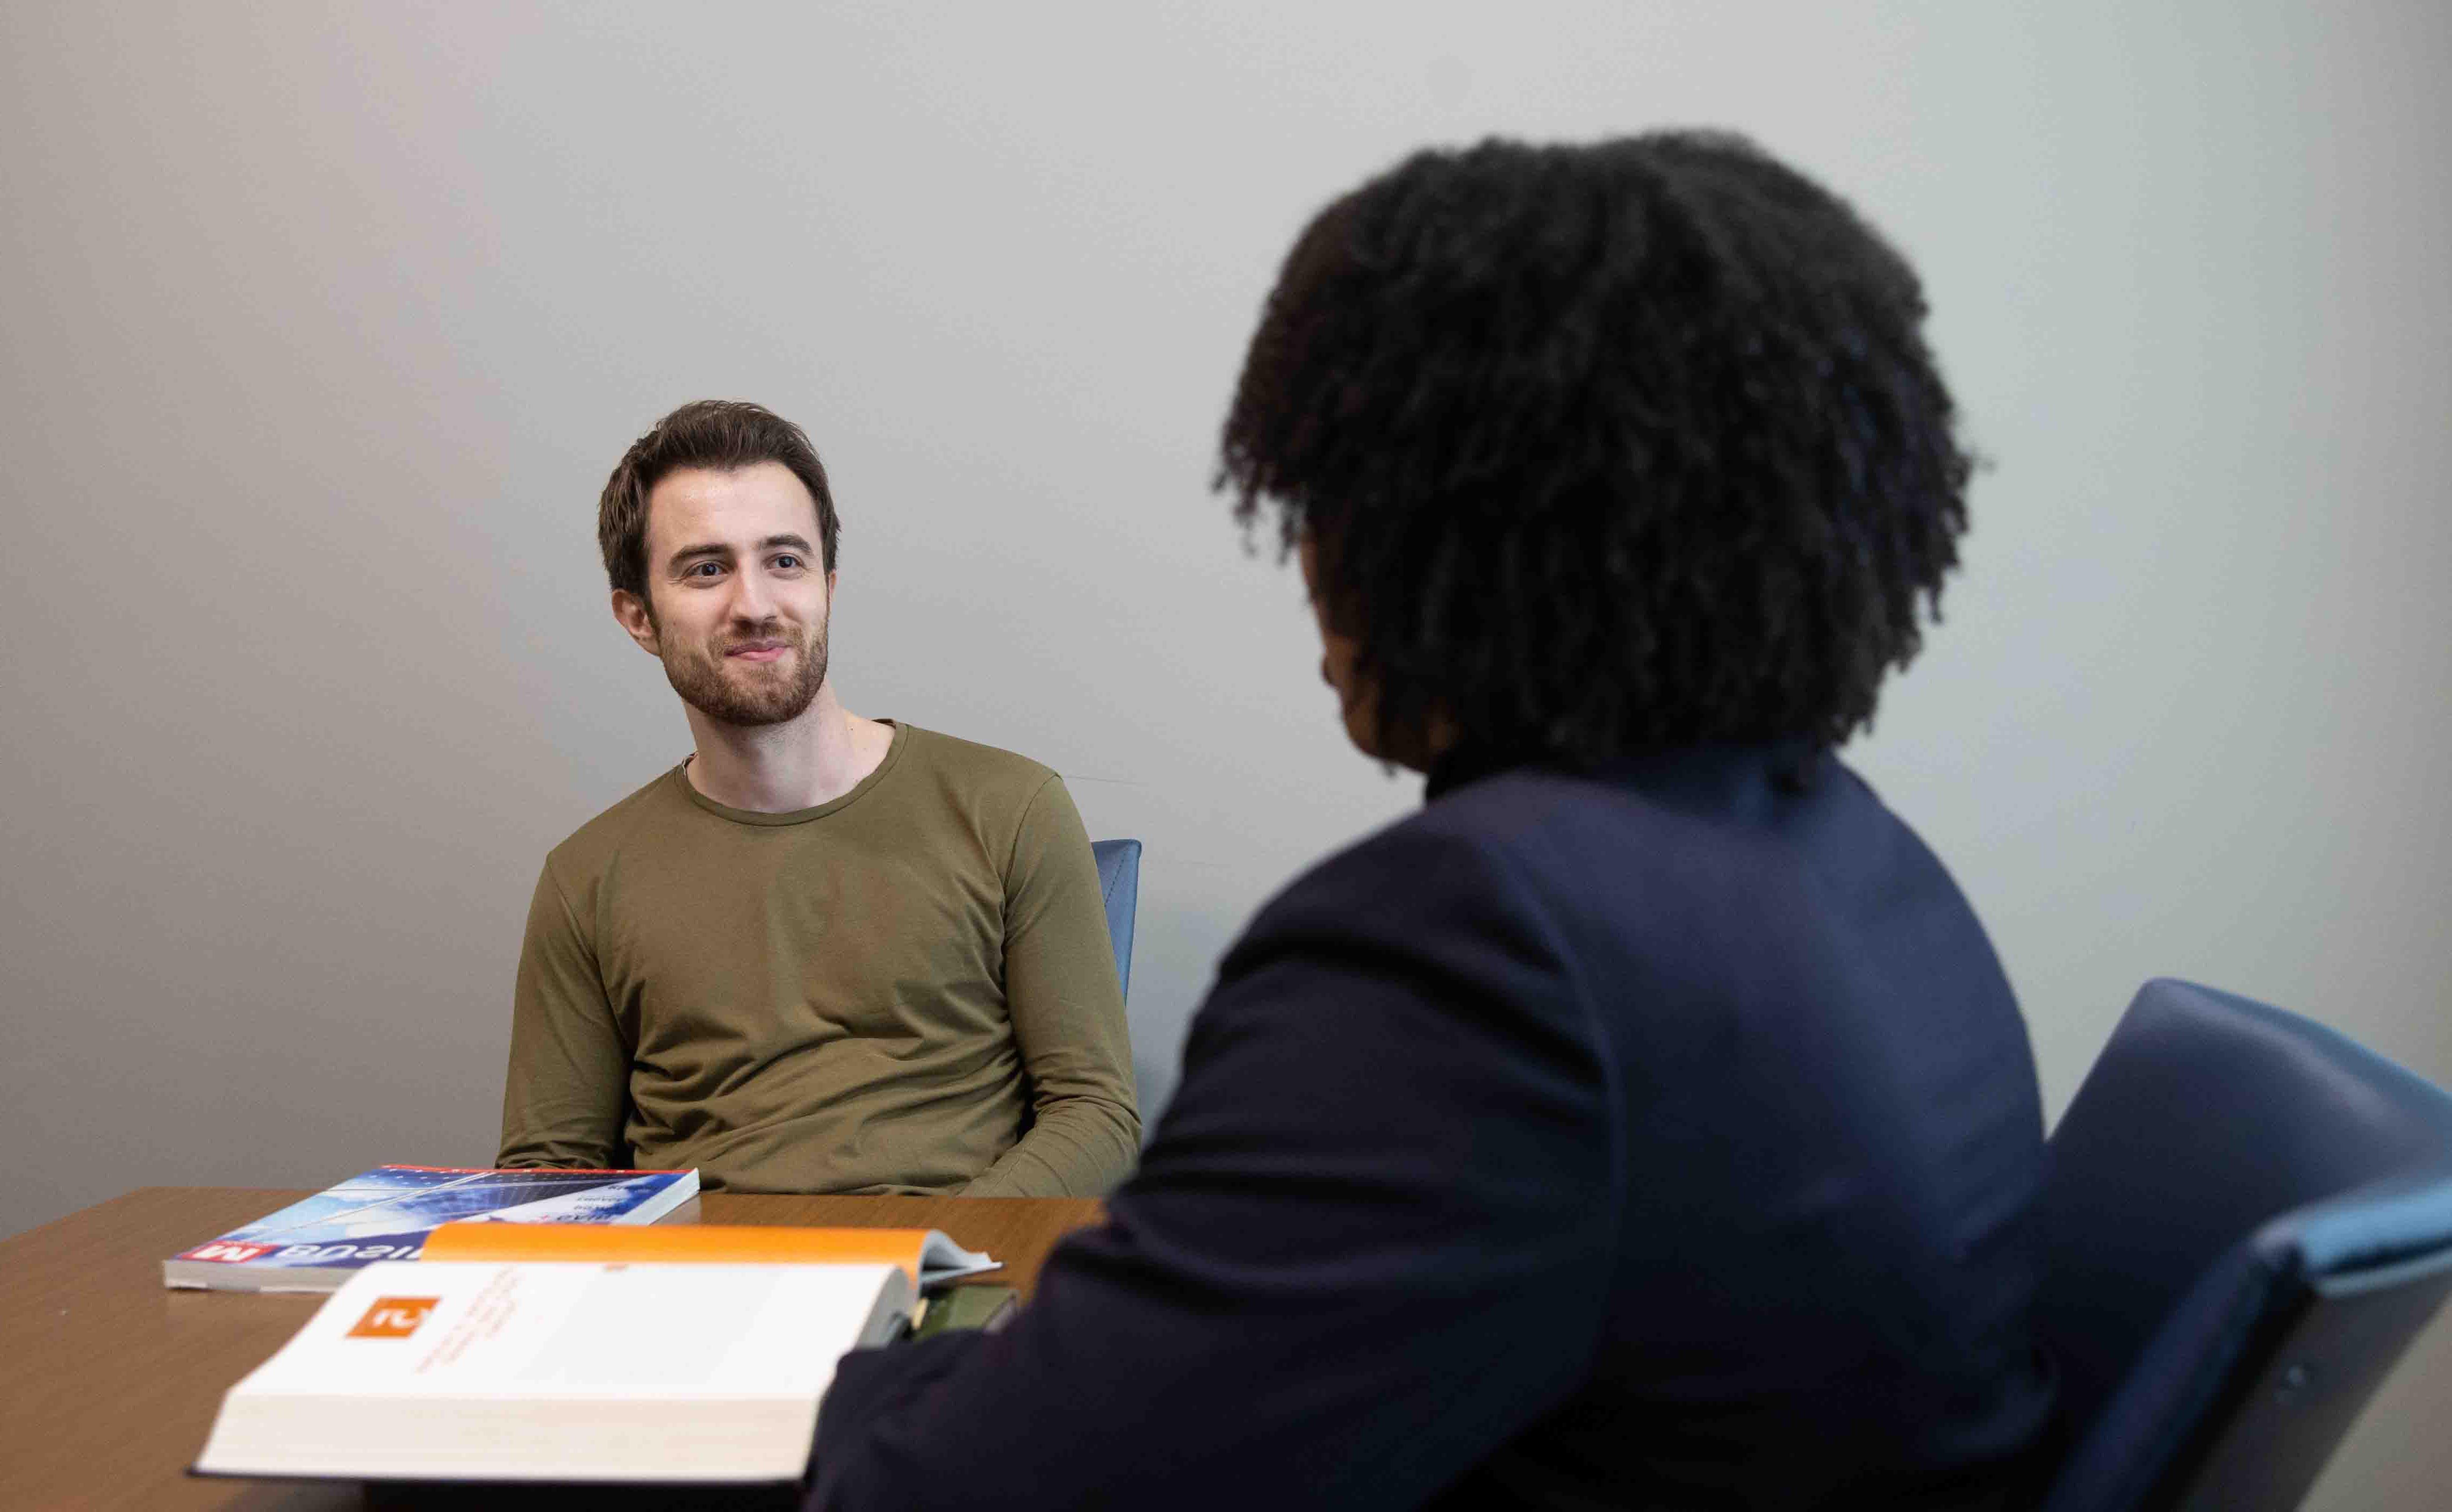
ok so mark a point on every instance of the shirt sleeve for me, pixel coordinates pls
(1067, 1010)
(567, 1089)
(1367, 1248)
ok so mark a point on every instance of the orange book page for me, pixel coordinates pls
(715, 1244)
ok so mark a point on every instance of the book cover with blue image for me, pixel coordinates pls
(385, 1213)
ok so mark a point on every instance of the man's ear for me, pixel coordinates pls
(630, 612)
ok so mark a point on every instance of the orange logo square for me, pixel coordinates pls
(393, 1317)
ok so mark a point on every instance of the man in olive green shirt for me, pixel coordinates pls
(825, 953)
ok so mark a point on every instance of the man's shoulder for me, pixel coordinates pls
(589, 848)
(969, 767)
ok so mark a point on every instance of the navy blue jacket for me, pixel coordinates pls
(1663, 1138)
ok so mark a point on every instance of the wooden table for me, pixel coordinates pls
(108, 1380)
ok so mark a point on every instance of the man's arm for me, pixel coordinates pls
(568, 1083)
(1068, 1015)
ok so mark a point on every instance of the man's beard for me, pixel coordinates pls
(747, 693)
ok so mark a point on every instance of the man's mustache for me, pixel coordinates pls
(767, 630)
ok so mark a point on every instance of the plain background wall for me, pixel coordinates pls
(320, 328)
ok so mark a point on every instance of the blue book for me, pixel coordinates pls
(386, 1214)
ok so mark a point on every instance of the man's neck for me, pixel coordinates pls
(812, 759)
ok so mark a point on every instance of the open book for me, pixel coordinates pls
(442, 1370)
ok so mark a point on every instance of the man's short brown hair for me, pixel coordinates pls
(720, 434)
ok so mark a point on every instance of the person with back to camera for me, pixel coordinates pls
(1646, 1120)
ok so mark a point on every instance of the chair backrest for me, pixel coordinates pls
(2249, 1218)
(1119, 883)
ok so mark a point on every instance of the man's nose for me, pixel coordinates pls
(753, 597)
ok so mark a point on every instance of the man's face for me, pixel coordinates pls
(738, 604)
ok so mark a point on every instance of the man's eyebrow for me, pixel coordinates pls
(709, 548)
(797, 541)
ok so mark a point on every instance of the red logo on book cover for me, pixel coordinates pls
(393, 1317)
(229, 1253)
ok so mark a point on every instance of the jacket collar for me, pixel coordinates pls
(1792, 766)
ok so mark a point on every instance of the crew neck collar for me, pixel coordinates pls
(680, 777)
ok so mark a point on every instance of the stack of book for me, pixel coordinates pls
(545, 1335)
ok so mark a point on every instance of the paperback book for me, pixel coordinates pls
(388, 1213)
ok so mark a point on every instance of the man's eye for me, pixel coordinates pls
(787, 560)
(704, 569)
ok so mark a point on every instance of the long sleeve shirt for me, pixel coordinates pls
(907, 990)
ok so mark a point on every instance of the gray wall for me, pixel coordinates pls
(322, 326)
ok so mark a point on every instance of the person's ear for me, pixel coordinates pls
(631, 613)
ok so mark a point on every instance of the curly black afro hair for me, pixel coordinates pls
(1605, 449)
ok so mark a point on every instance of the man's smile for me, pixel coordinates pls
(759, 650)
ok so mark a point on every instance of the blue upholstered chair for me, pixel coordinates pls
(1119, 883)
(2248, 1219)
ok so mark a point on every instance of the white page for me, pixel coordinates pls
(573, 1329)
